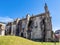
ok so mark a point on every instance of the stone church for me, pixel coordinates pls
(32, 27)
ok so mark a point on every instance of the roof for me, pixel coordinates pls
(42, 14)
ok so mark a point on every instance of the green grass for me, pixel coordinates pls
(14, 40)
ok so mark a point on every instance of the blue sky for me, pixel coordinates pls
(11, 9)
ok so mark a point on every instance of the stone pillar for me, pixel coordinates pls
(27, 21)
(11, 28)
(48, 27)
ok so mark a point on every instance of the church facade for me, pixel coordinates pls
(32, 27)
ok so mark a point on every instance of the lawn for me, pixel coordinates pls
(14, 40)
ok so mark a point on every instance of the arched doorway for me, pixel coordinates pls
(22, 34)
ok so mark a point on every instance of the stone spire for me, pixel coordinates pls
(46, 8)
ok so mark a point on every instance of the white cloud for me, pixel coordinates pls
(6, 19)
(56, 28)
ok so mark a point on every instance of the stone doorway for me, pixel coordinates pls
(22, 35)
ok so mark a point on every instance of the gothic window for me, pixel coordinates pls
(42, 25)
(23, 27)
(10, 30)
(36, 24)
(32, 25)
